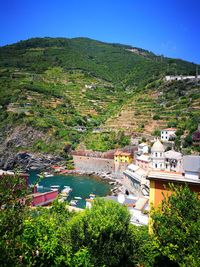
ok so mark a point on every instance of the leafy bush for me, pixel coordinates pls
(156, 117)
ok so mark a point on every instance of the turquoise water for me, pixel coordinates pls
(82, 186)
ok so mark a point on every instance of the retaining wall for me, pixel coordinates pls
(90, 164)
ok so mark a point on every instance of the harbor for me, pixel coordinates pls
(73, 188)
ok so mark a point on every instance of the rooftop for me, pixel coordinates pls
(145, 158)
(169, 129)
(158, 147)
(191, 163)
(171, 177)
(121, 153)
(172, 154)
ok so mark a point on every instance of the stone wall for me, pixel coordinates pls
(90, 164)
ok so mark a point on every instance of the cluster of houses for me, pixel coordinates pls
(181, 77)
(151, 169)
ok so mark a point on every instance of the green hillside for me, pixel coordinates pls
(64, 88)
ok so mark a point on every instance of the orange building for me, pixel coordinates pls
(159, 184)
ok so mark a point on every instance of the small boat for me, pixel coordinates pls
(67, 187)
(78, 198)
(49, 175)
(73, 202)
(66, 191)
(54, 187)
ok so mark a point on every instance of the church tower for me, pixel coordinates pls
(158, 156)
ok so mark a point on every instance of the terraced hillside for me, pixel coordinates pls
(171, 104)
(63, 91)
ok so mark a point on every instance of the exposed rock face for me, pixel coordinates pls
(23, 136)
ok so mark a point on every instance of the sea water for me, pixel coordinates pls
(82, 186)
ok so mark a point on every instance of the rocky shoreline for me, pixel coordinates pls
(27, 161)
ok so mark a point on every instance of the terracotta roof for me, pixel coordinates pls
(126, 154)
(117, 153)
(121, 153)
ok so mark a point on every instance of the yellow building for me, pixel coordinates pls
(123, 157)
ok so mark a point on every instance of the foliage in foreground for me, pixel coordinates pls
(101, 236)
(176, 227)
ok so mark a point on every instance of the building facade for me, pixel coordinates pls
(158, 156)
(168, 133)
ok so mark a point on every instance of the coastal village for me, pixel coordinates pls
(100, 133)
(139, 174)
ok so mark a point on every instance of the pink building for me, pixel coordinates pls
(143, 161)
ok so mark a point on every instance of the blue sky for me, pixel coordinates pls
(168, 27)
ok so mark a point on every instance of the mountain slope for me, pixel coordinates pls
(63, 88)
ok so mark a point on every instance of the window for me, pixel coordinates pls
(156, 165)
(156, 154)
(161, 154)
(160, 165)
(166, 137)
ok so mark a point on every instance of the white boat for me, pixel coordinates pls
(73, 202)
(78, 198)
(47, 174)
(54, 187)
(66, 191)
(67, 187)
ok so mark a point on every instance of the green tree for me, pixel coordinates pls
(105, 231)
(13, 210)
(176, 226)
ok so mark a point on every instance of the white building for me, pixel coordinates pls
(168, 133)
(191, 167)
(181, 77)
(173, 161)
(158, 156)
(143, 148)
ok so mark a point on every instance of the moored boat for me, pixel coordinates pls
(78, 198)
(73, 202)
(65, 192)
